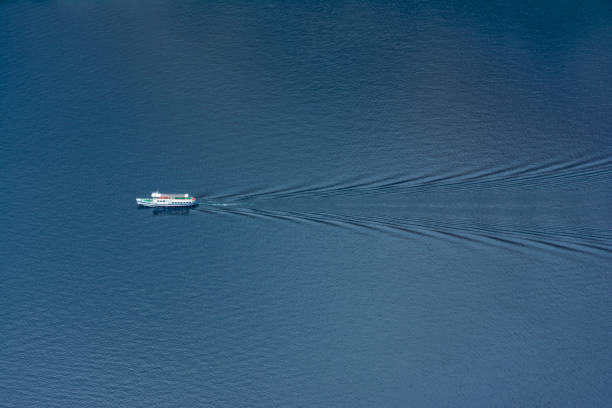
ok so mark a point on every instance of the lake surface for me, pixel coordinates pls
(402, 204)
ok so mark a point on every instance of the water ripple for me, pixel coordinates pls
(499, 236)
(550, 173)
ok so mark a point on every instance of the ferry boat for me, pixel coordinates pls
(167, 200)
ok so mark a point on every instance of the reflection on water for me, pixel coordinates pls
(171, 211)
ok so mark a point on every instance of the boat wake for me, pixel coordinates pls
(551, 173)
(559, 242)
(558, 231)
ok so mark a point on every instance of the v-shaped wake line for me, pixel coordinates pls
(504, 236)
(558, 172)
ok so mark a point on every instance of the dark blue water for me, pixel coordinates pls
(404, 204)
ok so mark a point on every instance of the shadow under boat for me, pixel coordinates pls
(167, 210)
(171, 210)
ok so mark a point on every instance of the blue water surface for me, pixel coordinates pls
(402, 204)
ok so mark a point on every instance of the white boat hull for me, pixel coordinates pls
(167, 201)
